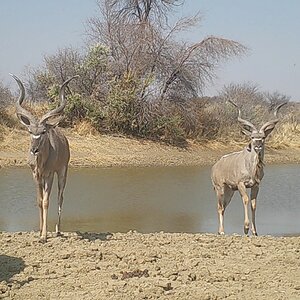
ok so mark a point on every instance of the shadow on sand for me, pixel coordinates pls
(9, 266)
(91, 236)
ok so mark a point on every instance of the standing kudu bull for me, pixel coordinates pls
(242, 170)
(49, 153)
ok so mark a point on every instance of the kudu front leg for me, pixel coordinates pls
(61, 179)
(243, 192)
(253, 196)
(46, 195)
(221, 209)
(39, 198)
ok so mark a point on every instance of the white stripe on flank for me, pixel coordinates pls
(226, 155)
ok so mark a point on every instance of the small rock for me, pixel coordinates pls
(168, 287)
(3, 288)
(135, 273)
(65, 256)
(36, 265)
(192, 277)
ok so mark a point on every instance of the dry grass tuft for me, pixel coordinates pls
(84, 128)
(38, 109)
(8, 117)
(13, 140)
(287, 135)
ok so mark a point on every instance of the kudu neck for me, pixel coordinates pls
(42, 155)
(258, 156)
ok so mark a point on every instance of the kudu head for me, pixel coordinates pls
(257, 136)
(38, 129)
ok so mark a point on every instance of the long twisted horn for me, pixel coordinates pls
(273, 122)
(242, 121)
(63, 101)
(19, 109)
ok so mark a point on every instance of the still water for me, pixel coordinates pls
(170, 199)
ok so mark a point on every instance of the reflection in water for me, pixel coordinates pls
(171, 199)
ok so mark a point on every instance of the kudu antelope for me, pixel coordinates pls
(48, 154)
(242, 170)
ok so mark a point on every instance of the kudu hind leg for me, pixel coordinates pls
(221, 209)
(253, 196)
(243, 192)
(39, 199)
(61, 180)
(224, 196)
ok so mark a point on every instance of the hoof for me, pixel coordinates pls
(221, 233)
(246, 230)
(58, 234)
(43, 240)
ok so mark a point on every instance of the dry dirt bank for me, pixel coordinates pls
(105, 151)
(149, 266)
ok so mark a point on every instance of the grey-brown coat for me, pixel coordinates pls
(242, 170)
(49, 153)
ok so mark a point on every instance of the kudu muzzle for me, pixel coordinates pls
(36, 142)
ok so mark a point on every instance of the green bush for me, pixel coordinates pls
(169, 129)
(121, 109)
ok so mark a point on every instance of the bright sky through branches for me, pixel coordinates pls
(270, 28)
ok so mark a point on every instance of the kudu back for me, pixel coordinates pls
(49, 153)
(242, 170)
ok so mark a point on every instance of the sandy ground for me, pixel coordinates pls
(145, 266)
(149, 266)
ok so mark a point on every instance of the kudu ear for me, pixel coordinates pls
(53, 121)
(246, 130)
(268, 127)
(23, 119)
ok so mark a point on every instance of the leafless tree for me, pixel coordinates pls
(138, 12)
(56, 69)
(139, 43)
(195, 65)
(138, 77)
(67, 62)
(275, 98)
(143, 11)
